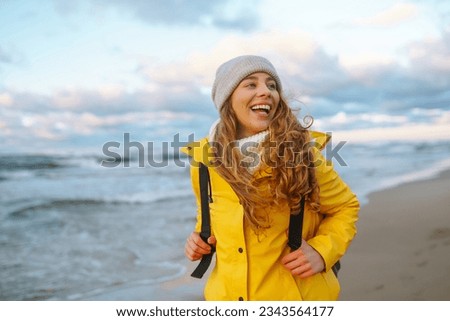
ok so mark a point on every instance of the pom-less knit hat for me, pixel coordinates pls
(231, 73)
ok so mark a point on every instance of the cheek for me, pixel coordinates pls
(276, 98)
(276, 102)
(238, 99)
(238, 109)
(242, 115)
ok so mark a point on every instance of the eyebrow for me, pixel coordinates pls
(254, 77)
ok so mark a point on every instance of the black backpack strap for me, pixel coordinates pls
(296, 227)
(205, 233)
(336, 267)
(295, 233)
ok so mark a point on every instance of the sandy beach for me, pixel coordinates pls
(402, 250)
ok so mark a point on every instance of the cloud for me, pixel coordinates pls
(176, 96)
(228, 14)
(392, 16)
(30, 130)
(6, 99)
(101, 101)
(325, 82)
(307, 71)
(300, 60)
(431, 54)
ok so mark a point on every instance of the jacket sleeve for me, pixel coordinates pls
(339, 207)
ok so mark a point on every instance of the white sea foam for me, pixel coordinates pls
(425, 173)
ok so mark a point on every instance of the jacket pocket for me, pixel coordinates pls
(320, 287)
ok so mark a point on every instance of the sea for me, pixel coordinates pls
(81, 222)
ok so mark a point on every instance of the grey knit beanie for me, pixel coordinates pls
(231, 73)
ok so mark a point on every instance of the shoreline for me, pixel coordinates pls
(401, 249)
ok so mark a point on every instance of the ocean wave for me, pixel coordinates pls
(30, 162)
(386, 181)
(131, 200)
(22, 211)
(152, 197)
(426, 173)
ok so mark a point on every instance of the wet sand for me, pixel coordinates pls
(402, 250)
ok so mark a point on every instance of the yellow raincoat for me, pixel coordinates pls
(248, 267)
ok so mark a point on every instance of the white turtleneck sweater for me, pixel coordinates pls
(248, 146)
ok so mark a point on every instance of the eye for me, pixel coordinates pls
(272, 85)
(250, 85)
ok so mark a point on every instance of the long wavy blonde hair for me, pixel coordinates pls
(287, 152)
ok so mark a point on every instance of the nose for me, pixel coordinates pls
(264, 91)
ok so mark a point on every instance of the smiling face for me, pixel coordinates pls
(254, 102)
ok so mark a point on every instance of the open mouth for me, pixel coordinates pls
(262, 108)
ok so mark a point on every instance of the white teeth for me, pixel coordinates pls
(263, 107)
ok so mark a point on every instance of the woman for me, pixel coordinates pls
(261, 163)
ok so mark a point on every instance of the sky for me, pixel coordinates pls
(77, 74)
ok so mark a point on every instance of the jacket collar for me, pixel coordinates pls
(199, 151)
